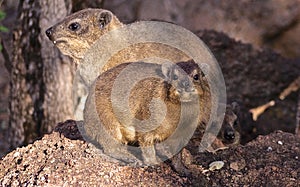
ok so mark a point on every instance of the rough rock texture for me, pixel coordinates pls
(272, 160)
(59, 160)
(272, 23)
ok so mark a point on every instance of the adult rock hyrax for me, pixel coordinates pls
(183, 89)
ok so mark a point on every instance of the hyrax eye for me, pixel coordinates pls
(175, 77)
(196, 77)
(74, 26)
(235, 123)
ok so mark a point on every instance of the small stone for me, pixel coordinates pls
(234, 166)
(238, 165)
(16, 154)
(269, 149)
(216, 165)
(280, 142)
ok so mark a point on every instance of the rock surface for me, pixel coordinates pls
(271, 160)
(62, 158)
(61, 161)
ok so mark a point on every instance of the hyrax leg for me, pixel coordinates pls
(178, 165)
(149, 155)
(147, 146)
(101, 135)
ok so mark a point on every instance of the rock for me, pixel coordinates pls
(253, 164)
(238, 165)
(57, 160)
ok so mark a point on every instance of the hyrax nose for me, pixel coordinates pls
(49, 32)
(185, 84)
(229, 134)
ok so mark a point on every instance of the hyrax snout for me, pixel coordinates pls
(229, 133)
(175, 85)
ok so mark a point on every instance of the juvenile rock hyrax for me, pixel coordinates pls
(229, 134)
(181, 87)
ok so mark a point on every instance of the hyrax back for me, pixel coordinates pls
(176, 86)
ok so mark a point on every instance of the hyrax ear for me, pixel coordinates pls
(204, 68)
(104, 18)
(166, 69)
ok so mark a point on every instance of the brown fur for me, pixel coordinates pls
(228, 135)
(139, 100)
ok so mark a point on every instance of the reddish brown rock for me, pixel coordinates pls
(57, 160)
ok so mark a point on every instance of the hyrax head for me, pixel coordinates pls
(229, 131)
(187, 80)
(76, 33)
